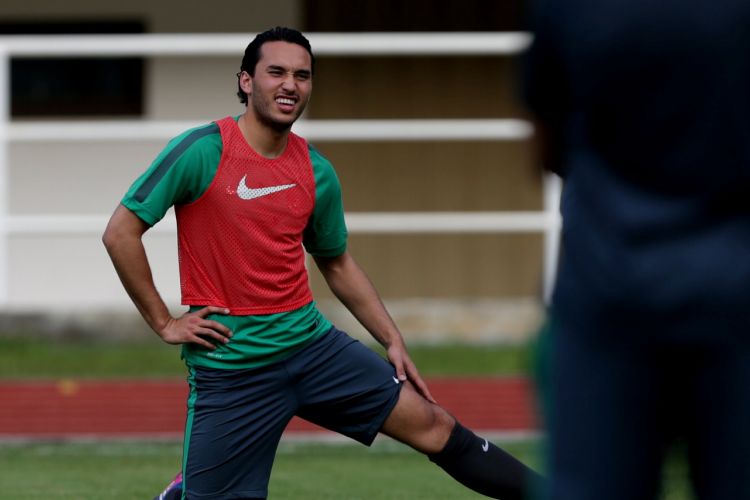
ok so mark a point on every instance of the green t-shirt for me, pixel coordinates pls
(181, 174)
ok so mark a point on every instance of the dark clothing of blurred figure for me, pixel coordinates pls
(643, 107)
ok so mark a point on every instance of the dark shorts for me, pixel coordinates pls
(236, 417)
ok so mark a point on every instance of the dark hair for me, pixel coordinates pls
(252, 52)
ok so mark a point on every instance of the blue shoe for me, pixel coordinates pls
(173, 491)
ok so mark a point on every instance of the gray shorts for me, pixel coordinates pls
(236, 417)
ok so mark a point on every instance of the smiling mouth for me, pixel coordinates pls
(286, 101)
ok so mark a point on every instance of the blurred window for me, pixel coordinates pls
(75, 86)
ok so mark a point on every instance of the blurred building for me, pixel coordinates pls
(480, 286)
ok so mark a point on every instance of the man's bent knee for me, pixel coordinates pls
(415, 421)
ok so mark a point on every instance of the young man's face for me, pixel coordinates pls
(281, 87)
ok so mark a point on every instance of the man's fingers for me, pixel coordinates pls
(194, 329)
(397, 361)
(218, 327)
(202, 326)
(211, 333)
(197, 339)
(420, 384)
(404, 366)
(422, 388)
(211, 310)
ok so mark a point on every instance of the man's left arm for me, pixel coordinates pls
(353, 288)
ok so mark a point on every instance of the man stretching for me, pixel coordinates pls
(250, 198)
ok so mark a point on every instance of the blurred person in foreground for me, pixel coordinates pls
(248, 194)
(643, 108)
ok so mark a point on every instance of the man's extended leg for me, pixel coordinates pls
(344, 386)
(473, 461)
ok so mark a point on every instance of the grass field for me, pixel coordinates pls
(120, 470)
(44, 358)
(137, 470)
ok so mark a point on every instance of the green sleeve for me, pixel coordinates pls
(180, 174)
(325, 235)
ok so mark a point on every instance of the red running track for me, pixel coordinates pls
(68, 409)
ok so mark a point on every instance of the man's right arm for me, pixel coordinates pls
(123, 241)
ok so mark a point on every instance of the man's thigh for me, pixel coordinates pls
(344, 386)
(235, 421)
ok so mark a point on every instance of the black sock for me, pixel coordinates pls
(480, 465)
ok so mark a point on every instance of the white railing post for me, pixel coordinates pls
(552, 189)
(4, 141)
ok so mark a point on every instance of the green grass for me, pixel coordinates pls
(52, 358)
(83, 471)
(138, 470)
(120, 471)
(42, 358)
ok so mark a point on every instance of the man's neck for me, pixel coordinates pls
(263, 139)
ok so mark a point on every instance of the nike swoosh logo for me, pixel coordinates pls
(396, 380)
(247, 193)
(485, 446)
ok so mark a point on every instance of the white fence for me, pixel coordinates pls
(545, 221)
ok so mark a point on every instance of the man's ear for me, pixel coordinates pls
(246, 82)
